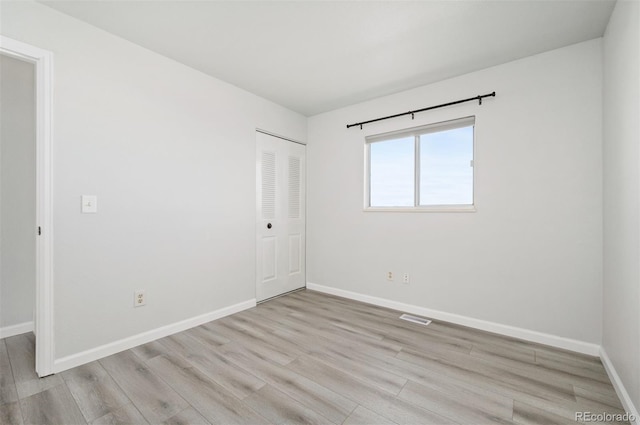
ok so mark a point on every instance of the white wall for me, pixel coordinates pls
(170, 153)
(621, 324)
(17, 192)
(531, 256)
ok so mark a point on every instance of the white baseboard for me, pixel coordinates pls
(97, 353)
(623, 395)
(20, 328)
(512, 331)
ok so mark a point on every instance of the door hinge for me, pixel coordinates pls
(39, 230)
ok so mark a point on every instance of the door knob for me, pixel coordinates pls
(269, 226)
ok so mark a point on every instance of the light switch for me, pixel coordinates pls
(89, 204)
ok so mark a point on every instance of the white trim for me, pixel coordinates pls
(425, 209)
(102, 351)
(436, 127)
(512, 331)
(20, 328)
(44, 326)
(259, 130)
(623, 395)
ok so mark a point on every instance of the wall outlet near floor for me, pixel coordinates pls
(139, 298)
(390, 276)
(405, 278)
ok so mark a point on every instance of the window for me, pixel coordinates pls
(424, 168)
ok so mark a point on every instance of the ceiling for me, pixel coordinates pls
(316, 56)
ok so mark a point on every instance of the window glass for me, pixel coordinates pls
(391, 172)
(446, 168)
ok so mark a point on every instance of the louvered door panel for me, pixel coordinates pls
(268, 185)
(294, 187)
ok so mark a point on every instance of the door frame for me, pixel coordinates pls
(287, 139)
(43, 228)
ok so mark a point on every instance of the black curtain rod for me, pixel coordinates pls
(478, 98)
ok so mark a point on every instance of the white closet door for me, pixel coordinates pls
(280, 224)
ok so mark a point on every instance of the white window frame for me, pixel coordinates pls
(416, 132)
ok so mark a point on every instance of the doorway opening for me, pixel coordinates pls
(29, 192)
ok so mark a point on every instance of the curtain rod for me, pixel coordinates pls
(478, 98)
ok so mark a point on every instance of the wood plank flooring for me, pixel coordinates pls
(311, 358)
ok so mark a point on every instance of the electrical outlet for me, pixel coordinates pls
(405, 278)
(139, 298)
(390, 276)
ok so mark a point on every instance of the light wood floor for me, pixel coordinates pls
(311, 358)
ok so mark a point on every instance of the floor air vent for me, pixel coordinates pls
(415, 319)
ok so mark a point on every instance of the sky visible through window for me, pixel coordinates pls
(446, 174)
(392, 176)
